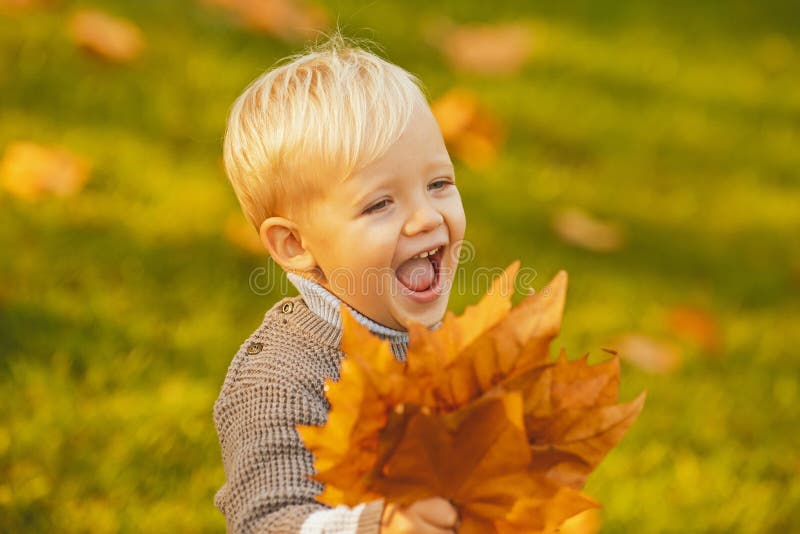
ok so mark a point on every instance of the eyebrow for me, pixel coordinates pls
(380, 181)
(439, 164)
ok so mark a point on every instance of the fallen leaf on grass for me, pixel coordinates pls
(31, 171)
(695, 325)
(576, 227)
(648, 354)
(469, 130)
(478, 415)
(499, 49)
(290, 20)
(111, 38)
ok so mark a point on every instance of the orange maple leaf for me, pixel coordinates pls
(579, 228)
(478, 415)
(110, 38)
(290, 20)
(469, 129)
(499, 49)
(31, 171)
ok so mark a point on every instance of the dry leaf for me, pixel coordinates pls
(500, 49)
(695, 325)
(241, 233)
(572, 417)
(110, 38)
(469, 130)
(648, 354)
(545, 511)
(578, 228)
(453, 374)
(587, 522)
(30, 171)
(290, 20)
(479, 415)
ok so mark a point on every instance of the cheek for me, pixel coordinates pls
(456, 219)
(370, 247)
(378, 237)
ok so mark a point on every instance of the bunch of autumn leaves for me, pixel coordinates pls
(478, 414)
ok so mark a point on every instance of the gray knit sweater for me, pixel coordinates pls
(274, 382)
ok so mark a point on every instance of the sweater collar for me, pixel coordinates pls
(326, 305)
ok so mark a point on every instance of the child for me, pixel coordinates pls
(340, 166)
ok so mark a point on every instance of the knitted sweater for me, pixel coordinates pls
(274, 382)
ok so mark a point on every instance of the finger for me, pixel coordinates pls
(436, 511)
(409, 523)
(389, 509)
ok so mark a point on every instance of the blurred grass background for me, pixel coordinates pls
(121, 306)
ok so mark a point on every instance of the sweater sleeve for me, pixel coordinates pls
(267, 466)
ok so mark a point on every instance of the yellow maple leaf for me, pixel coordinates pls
(478, 414)
(31, 171)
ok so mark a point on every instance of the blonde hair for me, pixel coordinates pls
(317, 119)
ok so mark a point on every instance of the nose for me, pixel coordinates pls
(424, 218)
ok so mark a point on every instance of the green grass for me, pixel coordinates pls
(121, 307)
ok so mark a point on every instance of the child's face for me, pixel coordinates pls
(365, 233)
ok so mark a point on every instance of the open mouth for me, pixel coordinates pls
(419, 276)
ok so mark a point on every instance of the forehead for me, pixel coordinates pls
(392, 170)
(419, 149)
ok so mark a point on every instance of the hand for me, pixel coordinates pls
(434, 515)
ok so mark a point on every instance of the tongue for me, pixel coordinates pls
(416, 274)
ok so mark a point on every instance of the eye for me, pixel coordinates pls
(439, 184)
(377, 206)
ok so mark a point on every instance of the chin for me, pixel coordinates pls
(427, 315)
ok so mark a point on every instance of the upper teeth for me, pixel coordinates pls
(427, 253)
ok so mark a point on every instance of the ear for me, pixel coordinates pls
(281, 237)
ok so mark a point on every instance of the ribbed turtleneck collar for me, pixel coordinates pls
(326, 305)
